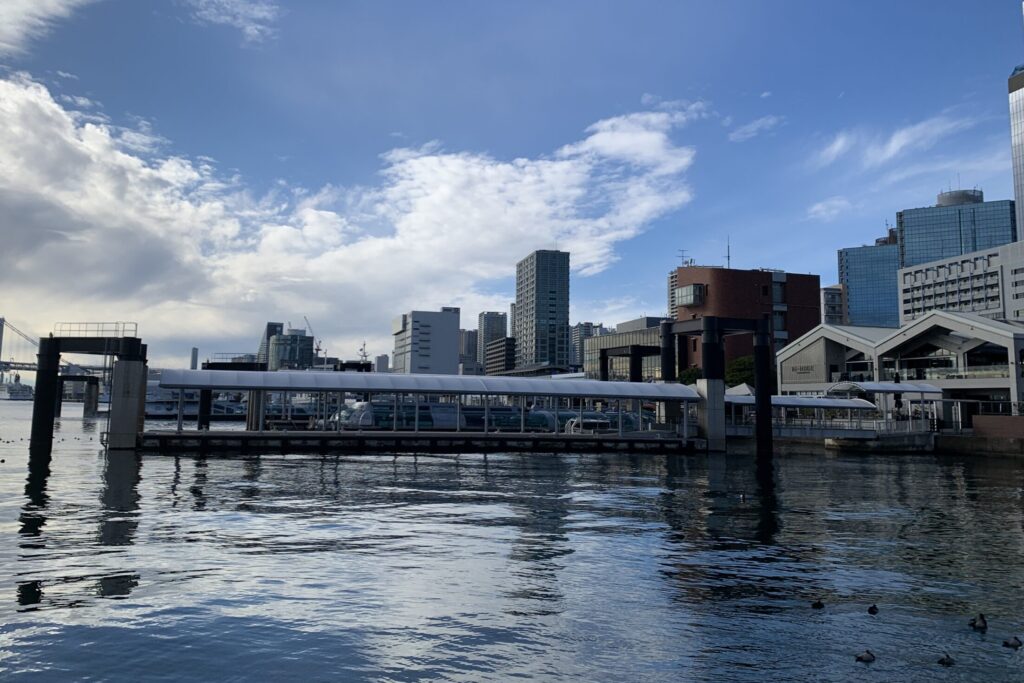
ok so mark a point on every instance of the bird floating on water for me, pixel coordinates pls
(979, 623)
(1014, 642)
(817, 604)
(873, 609)
(946, 660)
(867, 657)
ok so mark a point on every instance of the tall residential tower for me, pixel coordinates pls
(542, 309)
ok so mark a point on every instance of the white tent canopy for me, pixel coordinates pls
(885, 388)
(369, 382)
(805, 402)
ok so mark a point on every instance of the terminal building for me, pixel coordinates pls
(973, 359)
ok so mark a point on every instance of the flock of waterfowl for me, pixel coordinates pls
(978, 623)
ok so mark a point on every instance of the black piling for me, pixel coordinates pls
(44, 407)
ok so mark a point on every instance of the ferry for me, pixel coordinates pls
(15, 391)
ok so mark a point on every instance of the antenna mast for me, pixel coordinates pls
(728, 253)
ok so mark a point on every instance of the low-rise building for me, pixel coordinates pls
(640, 332)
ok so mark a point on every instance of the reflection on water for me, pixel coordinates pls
(601, 568)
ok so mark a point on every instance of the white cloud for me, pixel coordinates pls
(195, 258)
(23, 20)
(918, 136)
(828, 209)
(254, 18)
(878, 149)
(67, 75)
(755, 128)
(766, 94)
(840, 145)
(79, 101)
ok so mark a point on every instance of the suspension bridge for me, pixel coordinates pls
(18, 351)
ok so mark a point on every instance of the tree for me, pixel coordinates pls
(690, 375)
(740, 371)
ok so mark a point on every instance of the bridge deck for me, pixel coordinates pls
(238, 442)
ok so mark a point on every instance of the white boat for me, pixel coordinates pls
(15, 391)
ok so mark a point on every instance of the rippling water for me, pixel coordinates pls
(594, 568)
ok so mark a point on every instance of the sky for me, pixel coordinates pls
(204, 166)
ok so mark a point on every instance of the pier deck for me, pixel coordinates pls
(358, 442)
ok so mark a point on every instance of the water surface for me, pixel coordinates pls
(596, 568)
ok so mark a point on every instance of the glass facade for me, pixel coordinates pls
(869, 275)
(618, 366)
(940, 232)
(1016, 86)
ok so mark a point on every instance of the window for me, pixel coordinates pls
(688, 295)
(778, 292)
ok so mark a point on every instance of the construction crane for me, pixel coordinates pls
(316, 342)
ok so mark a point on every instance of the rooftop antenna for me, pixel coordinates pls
(682, 256)
(363, 355)
(728, 253)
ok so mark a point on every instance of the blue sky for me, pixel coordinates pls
(237, 161)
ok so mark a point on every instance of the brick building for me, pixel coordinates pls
(792, 302)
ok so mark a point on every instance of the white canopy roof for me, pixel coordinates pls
(237, 380)
(886, 387)
(806, 402)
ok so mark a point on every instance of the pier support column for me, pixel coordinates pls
(127, 404)
(91, 398)
(45, 402)
(763, 390)
(205, 406)
(58, 404)
(668, 352)
(711, 410)
(636, 364)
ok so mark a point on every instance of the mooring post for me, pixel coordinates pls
(44, 405)
(763, 389)
(205, 406)
(91, 399)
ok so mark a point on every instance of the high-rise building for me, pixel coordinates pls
(490, 325)
(792, 302)
(868, 275)
(833, 305)
(263, 348)
(290, 350)
(380, 363)
(960, 222)
(501, 356)
(512, 319)
(427, 342)
(1016, 87)
(467, 344)
(542, 309)
(578, 333)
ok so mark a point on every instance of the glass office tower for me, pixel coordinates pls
(868, 275)
(960, 222)
(1016, 87)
